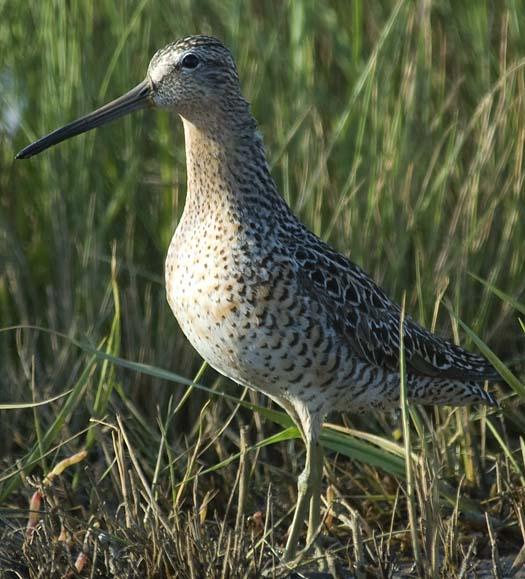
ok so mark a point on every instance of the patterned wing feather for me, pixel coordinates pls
(370, 320)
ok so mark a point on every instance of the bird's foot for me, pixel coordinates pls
(312, 561)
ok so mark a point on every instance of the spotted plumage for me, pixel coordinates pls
(260, 297)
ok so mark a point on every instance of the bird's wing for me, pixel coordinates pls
(370, 321)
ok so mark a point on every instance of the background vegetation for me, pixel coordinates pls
(396, 131)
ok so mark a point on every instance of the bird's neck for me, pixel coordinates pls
(228, 175)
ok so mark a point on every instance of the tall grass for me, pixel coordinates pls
(396, 132)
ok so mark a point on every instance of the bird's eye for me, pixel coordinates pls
(190, 61)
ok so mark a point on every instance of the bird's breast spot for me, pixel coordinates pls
(223, 310)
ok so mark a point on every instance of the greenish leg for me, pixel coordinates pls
(308, 492)
(303, 494)
(315, 493)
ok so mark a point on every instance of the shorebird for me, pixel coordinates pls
(260, 297)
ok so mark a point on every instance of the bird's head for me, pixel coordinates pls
(195, 77)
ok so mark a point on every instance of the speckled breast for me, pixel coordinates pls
(241, 309)
(213, 290)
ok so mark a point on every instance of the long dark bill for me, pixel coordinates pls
(137, 98)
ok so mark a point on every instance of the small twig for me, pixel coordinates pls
(464, 564)
(358, 546)
(243, 479)
(409, 469)
(266, 524)
(496, 564)
(34, 514)
(518, 562)
(36, 499)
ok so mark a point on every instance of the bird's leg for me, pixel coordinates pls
(308, 491)
(304, 489)
(315, 491)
